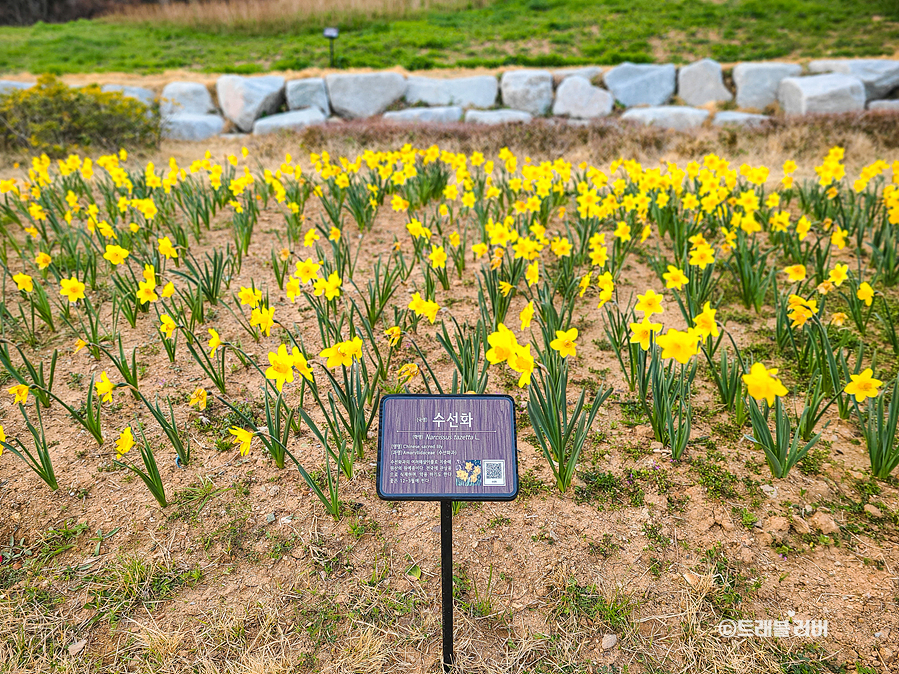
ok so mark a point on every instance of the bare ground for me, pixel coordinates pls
(246, 573)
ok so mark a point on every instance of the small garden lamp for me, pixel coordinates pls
(331, 34)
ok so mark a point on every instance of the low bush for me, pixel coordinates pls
(54, 118)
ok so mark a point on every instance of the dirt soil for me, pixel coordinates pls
(245, 572)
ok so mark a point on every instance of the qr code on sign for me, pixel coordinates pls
(494, 473)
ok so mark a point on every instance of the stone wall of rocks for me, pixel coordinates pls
(268, 104)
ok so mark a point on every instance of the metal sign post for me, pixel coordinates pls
(447, 448)
(446, 581)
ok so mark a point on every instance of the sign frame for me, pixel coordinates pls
(512, 473)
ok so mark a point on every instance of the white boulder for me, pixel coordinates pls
(702, 82)
(189, 126)
(880, 76)
(528, 90)
(579, 99)
(466, 92)
(757, 82)
(734, 118)
(185, 97)
(675, 117)
(306, 93)
(357, 96)
(246, 99)
(294, 120)
(493, 117)
(6, 86)
(641, 84)
(145, 96)
(884, 105)
(821, 94)
(436, 115)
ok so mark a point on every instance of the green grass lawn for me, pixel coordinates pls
(506, 32)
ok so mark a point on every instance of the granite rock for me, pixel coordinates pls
(363, 95)
(641, 84)
(530, 91)
(243, 100)
(702, 82)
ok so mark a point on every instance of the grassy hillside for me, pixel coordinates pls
(525, 32)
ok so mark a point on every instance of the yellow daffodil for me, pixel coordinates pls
(705, 323)
(795, 273)
(20, 393)
(702, 256)
(502, 344)
(263, 318)
(146, 292)
(564, 342)
(678, 345)
(330, 287)
(167, 326)
(167, 248)
(584, 283)
(310, 238)
(437, 257)
(561, 247)
(393, 335)
(623, 232)
(72, 288)
(532, 273)
(124, 442)
(115, 254)
(422, 307)
(301, 364)
(42, 260)
(24, 282)
(762, 384)
(675, 279)
(649, 303)
(838, 318)
(243, 438)
(307, 270)
(214, 341)
(526, 315)
(407, 372)
(250, 297)
(104, 387)
(606, 288)
(863, 385)
(839, 274)
(642, 332)
(342, 353)
(281, 367)
(522, 362)
(198, 398)
(865, 293)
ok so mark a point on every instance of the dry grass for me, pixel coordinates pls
(284, 13)
(865, 137)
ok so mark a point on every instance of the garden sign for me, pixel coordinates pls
(447, 448)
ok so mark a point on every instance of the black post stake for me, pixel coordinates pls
(331, 43)
(446, 580)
